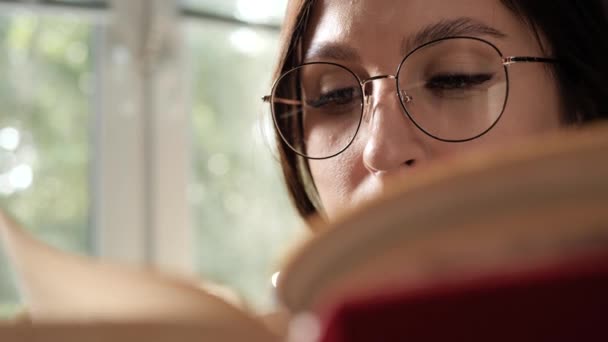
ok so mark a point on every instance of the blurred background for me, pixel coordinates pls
(134, 131)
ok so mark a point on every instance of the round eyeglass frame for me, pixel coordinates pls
(506, 61)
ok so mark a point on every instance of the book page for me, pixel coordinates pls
(59, 287)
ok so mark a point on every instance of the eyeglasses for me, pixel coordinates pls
(453, 89)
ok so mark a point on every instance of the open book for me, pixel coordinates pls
(512, 243)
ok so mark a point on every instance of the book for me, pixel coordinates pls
(498, 244)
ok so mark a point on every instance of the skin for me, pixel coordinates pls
(388, 144)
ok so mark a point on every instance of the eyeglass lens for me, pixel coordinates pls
(453, 90)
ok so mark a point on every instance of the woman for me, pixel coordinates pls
(369, 89)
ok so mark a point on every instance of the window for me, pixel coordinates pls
(242, 213)
(44, 136)
(257, 12)
(156, 155)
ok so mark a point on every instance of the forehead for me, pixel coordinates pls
(377, 29)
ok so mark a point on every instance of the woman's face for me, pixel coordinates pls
(368, 37)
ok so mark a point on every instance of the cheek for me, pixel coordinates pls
(336, 179)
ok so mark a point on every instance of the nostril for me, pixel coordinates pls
(410, 162)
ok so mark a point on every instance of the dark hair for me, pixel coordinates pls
(574, 31)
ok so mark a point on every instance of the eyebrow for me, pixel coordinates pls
(333, 51)
(463, 26)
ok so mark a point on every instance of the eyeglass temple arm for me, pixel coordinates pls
(526, 59)
(267, 98)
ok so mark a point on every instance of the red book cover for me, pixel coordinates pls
(558, 303)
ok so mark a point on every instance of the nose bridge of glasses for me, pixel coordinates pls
(402, 94)
(366, 83)
(369, 96)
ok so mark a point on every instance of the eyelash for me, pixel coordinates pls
(336, 97)
(446, 82)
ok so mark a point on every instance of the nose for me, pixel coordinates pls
(393, 144)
